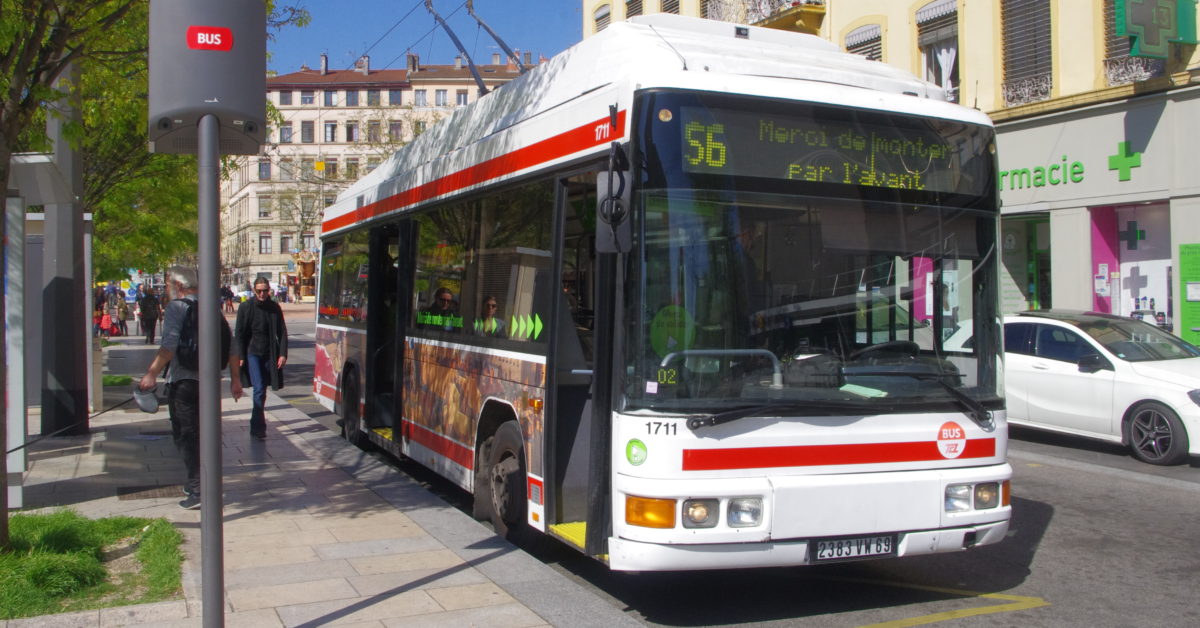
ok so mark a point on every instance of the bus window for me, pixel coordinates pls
(328, 307)
(354, 277)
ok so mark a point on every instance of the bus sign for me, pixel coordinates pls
(209, 38)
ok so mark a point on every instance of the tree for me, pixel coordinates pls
(39, 39)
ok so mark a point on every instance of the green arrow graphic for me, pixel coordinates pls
(537, 326)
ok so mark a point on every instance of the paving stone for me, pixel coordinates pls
(142, 613)
(433, 559)
(377, 608)
(470, 596)
(503, 616)
(416, 579)
(243, 599)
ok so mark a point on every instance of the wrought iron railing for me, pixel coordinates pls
(1026, 90)
(1124, 70)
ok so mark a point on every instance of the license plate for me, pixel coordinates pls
(841, 549)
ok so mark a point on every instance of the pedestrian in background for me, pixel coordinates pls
(261, 336)
(150, 308)
(183, 386)
(122, 315)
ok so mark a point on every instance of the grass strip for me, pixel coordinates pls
(56, 563)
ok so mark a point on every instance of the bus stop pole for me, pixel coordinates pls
(212, 498)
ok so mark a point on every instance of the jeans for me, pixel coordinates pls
(259, 368)
(183, 403)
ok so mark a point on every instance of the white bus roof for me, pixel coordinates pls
(660, 50)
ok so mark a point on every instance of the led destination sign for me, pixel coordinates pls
(915, 156)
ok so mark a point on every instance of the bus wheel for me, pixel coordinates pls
(351, 424)
(1156, 435)
(506, 480)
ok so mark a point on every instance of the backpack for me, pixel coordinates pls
(188, 349)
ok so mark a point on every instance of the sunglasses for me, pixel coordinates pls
(262, 291)
(490, 304)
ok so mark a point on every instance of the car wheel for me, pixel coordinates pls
(1156, 434)
(351, 429)
(506, 481)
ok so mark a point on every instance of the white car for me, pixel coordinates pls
(1101, 376)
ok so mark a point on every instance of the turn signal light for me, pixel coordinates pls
(648, 512)
(1005, 493)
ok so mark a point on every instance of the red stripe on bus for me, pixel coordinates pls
(460, 454)
(560, 145)
(823, 455)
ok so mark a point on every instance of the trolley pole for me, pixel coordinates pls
(212, 539)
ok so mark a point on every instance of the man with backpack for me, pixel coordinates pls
(183, 388)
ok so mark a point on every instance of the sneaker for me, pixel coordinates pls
(191, 502)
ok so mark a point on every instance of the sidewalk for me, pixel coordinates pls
(316, 532)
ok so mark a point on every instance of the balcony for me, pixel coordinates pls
(1026, 90)
(1125, 69)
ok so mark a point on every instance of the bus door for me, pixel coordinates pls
(568, 434)
(384, 333)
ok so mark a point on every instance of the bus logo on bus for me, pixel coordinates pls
(951, 440)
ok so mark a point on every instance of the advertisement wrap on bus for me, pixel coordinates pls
(678, 298)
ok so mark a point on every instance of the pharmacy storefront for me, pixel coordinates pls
(1101, 210)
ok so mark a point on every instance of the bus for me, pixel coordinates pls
(678, 298)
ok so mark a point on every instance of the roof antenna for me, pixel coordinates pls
(681, 59)
(508, 51)
(463, 51)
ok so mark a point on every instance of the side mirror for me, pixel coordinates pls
(1094, 362)
(613, 233)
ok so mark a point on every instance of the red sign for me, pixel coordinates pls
(209, 38)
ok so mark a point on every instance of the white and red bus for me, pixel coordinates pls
(678, 298)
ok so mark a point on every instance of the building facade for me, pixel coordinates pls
(327, 129)
(1100, 208)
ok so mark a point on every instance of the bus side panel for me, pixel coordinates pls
(334, 349)
(329, 357)
(446, 388)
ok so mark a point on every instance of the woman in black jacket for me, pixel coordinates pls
(262, 336)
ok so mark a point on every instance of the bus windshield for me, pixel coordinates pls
(752, 289)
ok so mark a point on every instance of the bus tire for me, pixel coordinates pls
(505, 481)
(351, 422)
(1156, 434)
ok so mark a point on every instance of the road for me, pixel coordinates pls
(1098, 539)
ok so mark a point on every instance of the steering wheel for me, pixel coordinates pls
(902, 347)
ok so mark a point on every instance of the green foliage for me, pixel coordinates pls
(160, 556)
(118, 380)
(54, 563)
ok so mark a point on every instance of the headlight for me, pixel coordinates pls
(987, 495)
(701, 513)
(745, 512)
(958, 497)
(1195, 395)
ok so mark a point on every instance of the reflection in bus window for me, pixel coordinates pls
(497, 246)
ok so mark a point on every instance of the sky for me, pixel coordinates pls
(387, 29)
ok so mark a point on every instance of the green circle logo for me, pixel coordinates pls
(635, 452)
(673, 329)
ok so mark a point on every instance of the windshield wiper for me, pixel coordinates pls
(974, 409)
(697, 422)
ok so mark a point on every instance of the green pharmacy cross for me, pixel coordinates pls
(1132, 235)
(1152, 25)
(1124, 161)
